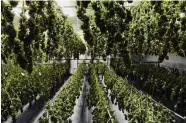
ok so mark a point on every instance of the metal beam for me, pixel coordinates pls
(70, 6)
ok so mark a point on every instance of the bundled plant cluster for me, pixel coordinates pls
(92, 34)
(112, 18)
(9, 41)
(96, 97)
(62, 108)
(44, 33)
(119, 66)
(19, 87)
(139, 106)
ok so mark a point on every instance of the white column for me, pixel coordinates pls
(108, 61)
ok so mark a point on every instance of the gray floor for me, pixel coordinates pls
(81, 112)
(119, 115)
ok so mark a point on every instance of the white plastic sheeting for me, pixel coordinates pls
(119, 115)
(81, 112)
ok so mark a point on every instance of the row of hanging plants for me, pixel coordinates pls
(43, 33)
(158, 28)
(18, 87)
(95, 40)
(107, 20)
(139, 106)
(148, 28)
(97, 99)
(62, 108)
